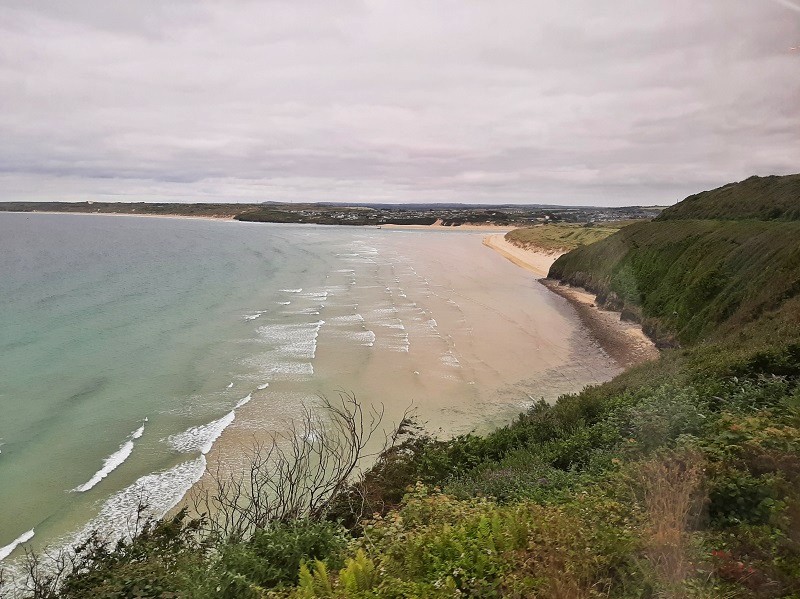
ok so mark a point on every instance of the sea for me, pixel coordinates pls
(135, 350)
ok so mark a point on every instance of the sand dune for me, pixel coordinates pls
(538, 263)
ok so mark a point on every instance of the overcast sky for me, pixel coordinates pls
(610, 102)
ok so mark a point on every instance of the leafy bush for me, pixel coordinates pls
(272, 557)
(661, 417)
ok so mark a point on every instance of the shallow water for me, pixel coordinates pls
(134, 349)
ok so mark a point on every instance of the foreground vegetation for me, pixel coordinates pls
(621, 491)
(679, 478)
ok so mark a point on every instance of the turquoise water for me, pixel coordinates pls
(116, 333)
(133, 350)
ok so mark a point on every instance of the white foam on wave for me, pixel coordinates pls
(252, 316)
(159, 492)
(347, 319)
(406, 344)
(449, 359)
(243, 401)
(201, 438)
(356, 259)
(318, 295)
(262, 386)
(8, 549)
(289, 371)
(230, 385)
(398, 342)
(112, 462)
(293, 340)
(300, 290)
(284, 303)
(366, 338)
(334, 289)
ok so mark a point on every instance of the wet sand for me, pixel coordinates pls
(623, 341)
(460, 333)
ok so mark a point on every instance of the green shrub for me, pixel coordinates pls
(272, 557)
(662, 416)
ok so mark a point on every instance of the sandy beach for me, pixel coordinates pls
(459, 332)
(538, 263)
(438, 226)
(624, 341)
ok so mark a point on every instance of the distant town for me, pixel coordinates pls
(452, 215)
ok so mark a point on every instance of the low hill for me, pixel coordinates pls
(690, 279)
(758, 198)
(562, 236)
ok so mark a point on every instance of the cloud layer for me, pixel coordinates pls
(581, 102)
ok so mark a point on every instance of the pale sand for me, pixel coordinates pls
(484, 342)
(438, 226)
(624, 341)
(538, 263)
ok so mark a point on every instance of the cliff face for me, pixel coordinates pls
(689, 278)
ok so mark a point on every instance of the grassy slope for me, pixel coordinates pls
(762, 198)
(561, 237)
(691, 280)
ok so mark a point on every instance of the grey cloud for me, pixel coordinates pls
(515, 101)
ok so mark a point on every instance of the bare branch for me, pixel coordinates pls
(296, 473)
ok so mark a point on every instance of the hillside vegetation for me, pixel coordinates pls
(680, 478)
(760, 198)
(689, 280)
(562, 237)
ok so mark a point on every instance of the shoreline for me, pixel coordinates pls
(450, 309)
(624, 341)
(538, 263)
(180, 216)
(437, 226)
